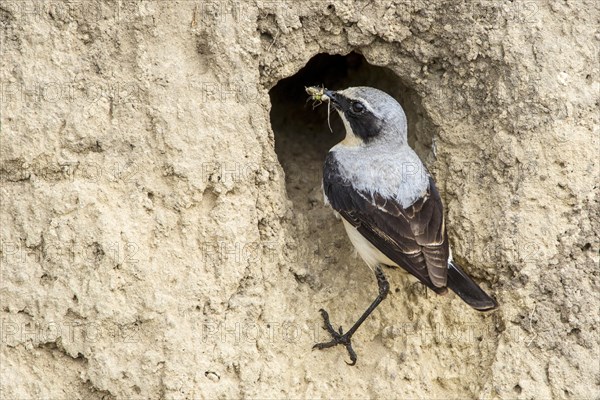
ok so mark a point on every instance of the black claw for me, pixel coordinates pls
(353, 356)
(345, 338)
(337, 338)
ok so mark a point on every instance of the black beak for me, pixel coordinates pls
(335, 99)
(331, 94)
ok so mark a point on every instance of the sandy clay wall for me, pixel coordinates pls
(163, 233)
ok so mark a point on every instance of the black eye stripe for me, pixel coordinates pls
(365, 126)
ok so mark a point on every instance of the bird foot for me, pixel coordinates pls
(338, 337)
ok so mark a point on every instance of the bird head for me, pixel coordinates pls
(370, 116)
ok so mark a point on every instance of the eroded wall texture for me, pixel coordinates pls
(155, 245)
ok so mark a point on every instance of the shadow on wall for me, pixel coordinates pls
(302, 137)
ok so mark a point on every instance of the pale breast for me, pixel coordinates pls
(369, 253)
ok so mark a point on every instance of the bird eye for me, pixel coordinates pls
(358, 107)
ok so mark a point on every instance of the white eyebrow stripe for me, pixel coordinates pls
(368, 106)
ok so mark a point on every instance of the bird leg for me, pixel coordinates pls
(339, 337)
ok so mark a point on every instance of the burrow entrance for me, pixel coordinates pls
(302, 136)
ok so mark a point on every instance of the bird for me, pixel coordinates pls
(388, 203)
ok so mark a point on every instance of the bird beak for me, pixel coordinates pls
(333, 98)
(330, 95)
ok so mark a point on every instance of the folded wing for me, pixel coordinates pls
(413, 237)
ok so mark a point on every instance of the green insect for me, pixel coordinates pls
(317, 95)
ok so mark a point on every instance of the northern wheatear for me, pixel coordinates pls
(388, 202)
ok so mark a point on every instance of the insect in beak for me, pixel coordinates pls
(318, 95)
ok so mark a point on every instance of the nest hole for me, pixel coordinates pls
(302, 136)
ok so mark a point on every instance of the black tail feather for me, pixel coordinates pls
(461, 284)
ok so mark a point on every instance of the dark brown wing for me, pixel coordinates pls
(414, 238)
